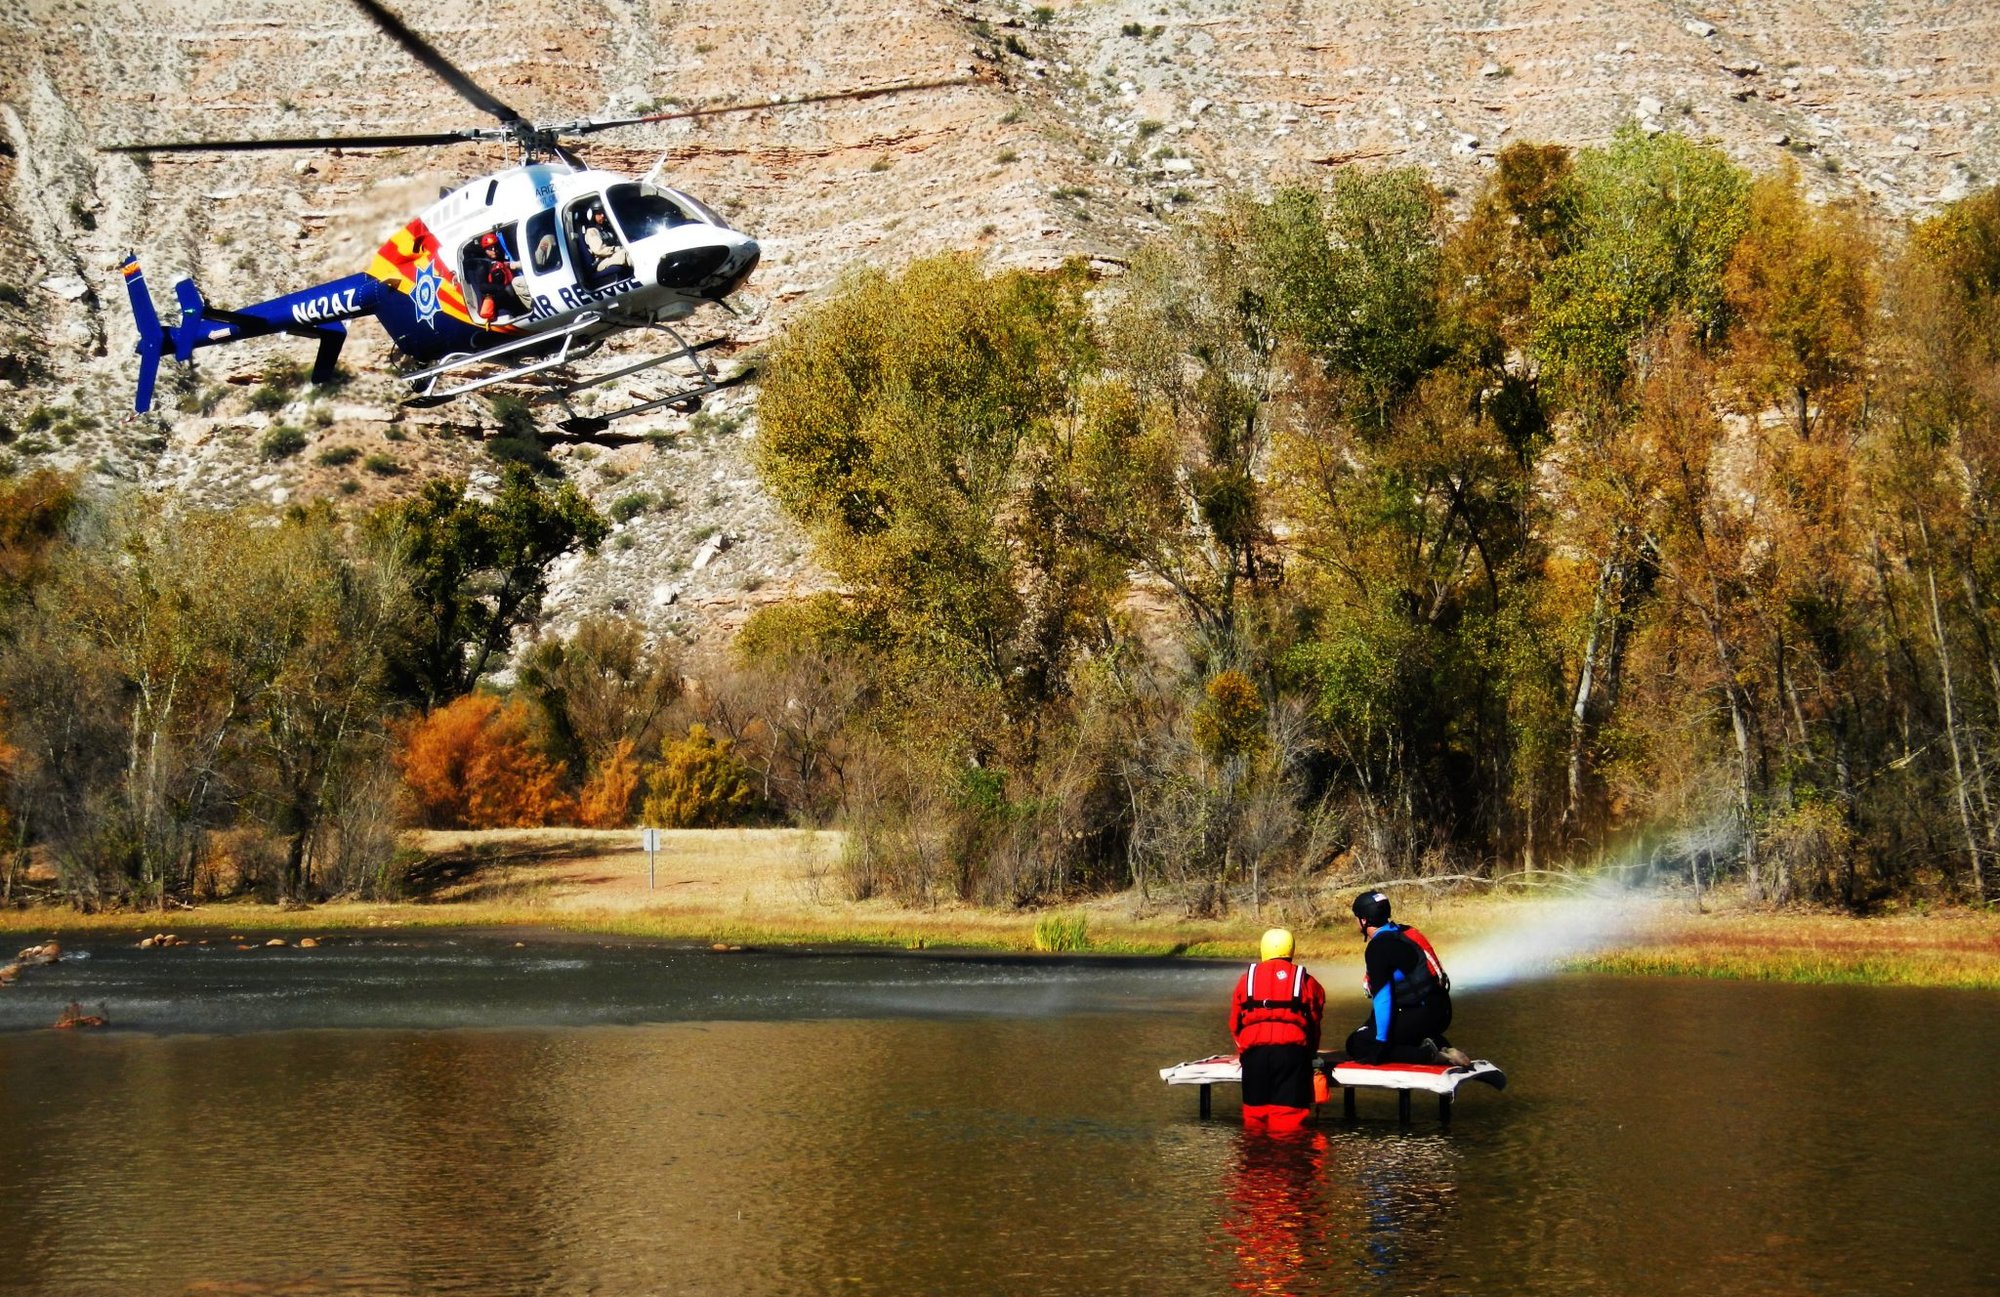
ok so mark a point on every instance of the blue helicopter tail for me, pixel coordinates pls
(152, 337)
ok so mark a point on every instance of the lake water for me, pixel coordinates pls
(456, 1115)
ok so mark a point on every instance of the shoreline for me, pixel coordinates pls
(775, 888)
(1950, 949)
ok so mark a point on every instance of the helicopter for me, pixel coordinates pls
(509, 277)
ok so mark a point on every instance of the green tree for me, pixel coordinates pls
(922, 429)
(1357, 274)
(1658, 219)
(478, 570)
(603, 686)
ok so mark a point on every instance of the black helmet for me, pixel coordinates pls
(1372, 908)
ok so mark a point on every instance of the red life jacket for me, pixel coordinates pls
(1277, 1003)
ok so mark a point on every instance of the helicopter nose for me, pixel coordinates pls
(713, 271)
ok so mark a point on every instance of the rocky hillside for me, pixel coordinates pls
(1073, 129)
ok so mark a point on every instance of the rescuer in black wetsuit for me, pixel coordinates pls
(1408, 989)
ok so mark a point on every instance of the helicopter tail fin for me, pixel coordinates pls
(152, 337)
(194, 310)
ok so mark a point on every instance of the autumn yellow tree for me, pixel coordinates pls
(698, 784)
(1801, 289)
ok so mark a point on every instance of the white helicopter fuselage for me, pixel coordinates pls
(547, 248)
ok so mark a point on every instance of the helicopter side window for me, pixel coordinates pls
(642, 212)
(491, 263)
(599, 254)
(544, 252)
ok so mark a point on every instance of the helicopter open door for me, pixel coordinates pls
(490, 267)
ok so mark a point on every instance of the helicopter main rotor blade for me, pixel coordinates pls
(867, 92)
(423, 52)
(304, 142)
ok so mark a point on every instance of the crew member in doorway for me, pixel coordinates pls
(496, 271)
(1408, 989)
(1274, 1016)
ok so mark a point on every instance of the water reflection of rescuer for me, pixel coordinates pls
(1274, 1016)
(1408, 989)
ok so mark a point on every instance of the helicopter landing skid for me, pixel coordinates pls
(687, 400)
(538, 354)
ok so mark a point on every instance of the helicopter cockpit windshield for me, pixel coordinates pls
(642, 210)
(700, 210)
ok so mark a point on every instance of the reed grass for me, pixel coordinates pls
(1062, 932)
(1889, 967)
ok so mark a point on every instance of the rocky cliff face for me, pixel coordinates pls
(1077, 129)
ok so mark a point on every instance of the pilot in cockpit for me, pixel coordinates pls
(608, 258)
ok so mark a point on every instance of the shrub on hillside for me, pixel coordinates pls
(283, 442)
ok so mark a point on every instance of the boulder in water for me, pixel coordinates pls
(276, 941)
(8, 972)
(308, 943)
(74, 1016)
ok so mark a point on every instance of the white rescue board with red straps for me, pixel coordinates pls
(1434, 1078)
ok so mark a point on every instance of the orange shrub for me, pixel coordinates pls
(606, 800)
(471, 765)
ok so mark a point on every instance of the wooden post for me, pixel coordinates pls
(1347, 1101)
(1204, 1102)
(1403, 1106)
(1444, 1109)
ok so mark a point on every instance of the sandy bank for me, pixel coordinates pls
(774, 886)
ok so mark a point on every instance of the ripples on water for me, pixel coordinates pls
(577, 1117)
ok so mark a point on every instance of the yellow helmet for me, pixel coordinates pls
(1277, 944)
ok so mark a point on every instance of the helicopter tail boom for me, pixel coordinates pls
(314, 312)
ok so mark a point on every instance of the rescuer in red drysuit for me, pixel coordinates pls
(1274, 1016)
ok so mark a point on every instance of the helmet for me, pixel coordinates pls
(1372, 908)
(488, 239)
(1277, 944)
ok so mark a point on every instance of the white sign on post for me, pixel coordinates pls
(650, 839)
